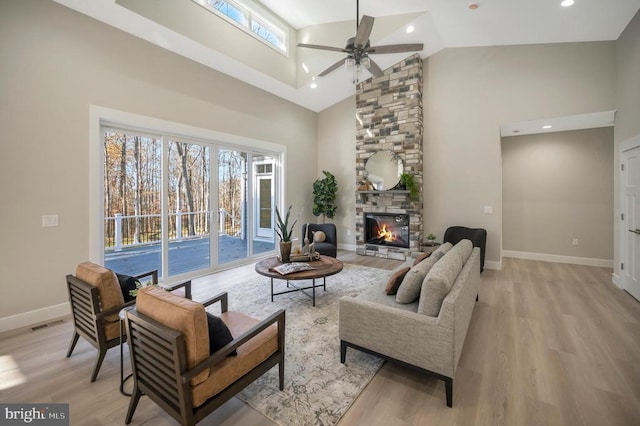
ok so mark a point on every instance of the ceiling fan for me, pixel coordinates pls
(359, 48)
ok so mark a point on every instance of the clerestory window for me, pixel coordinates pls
(242, 15)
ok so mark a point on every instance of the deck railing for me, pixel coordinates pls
(133, 230)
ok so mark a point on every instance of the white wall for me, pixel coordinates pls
(556, 187)
(55, 64)
(468, 94)
(336, 153)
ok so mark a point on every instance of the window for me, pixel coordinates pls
(182, 200)
(246, 18)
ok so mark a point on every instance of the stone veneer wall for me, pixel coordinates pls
(390, 107)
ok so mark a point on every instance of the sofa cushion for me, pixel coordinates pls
(440, 278)
(409, 289)
(395, 280)
(376, 294)
(180, 314)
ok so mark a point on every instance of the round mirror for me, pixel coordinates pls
(383, 170)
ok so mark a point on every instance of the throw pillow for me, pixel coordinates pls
(421, 257)
(127, 285)
(395, 280)
(441, 277)
(319, 236)
(219, 334)
(409, 289)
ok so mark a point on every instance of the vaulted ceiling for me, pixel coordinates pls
(439, 24)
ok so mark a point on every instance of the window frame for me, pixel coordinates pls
(260, 17)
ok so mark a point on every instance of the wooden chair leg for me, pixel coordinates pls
(281, 373)
(96, 368)
(72, 345)
(133, 404)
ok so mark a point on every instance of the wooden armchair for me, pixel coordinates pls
(96, 299)
(169, 346)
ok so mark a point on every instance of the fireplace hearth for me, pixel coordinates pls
(387, 229)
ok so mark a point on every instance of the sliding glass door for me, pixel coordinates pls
(164, 209)
(188, 213)
(232, 206)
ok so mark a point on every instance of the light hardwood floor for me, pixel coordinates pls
(548, 344)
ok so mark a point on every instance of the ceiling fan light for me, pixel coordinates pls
(350, 63)
(365, 62)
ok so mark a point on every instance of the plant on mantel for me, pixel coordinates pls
(407, 180)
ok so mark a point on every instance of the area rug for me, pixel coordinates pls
(318, 388)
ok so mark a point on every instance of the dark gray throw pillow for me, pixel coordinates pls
(219, 334)
(127, 284)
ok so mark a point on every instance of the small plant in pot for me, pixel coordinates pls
(284, 231)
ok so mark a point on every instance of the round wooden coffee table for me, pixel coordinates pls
(322, 268)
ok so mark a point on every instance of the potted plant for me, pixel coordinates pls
(431, 239)
(324, 196)
(284, 231)
(406, 180)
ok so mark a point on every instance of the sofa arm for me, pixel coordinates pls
(420, 340)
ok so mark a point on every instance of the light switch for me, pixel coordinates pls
(49, 220)
(488, 209)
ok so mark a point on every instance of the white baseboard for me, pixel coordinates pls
(350, 247)
(35, 317)
(489, 264)
(604, 263)
(615, 278)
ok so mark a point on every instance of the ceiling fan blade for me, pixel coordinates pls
(332, 68)
(375, 69)
(395, 48)
(364, 31)
(317, 46)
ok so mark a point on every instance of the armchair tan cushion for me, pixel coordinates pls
(250, 355)
(108, 289)
(183, 315)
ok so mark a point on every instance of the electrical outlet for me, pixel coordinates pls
(574, 242)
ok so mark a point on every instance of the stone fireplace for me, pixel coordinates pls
(389, 118)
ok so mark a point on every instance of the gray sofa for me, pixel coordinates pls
(376, 323)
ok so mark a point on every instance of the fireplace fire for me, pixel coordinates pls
(387, 229)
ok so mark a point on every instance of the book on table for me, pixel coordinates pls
(290, 268)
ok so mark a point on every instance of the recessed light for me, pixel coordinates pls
(411, 29)
(546, 127)
(567, 3)
(314, 85)
(473, 6)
